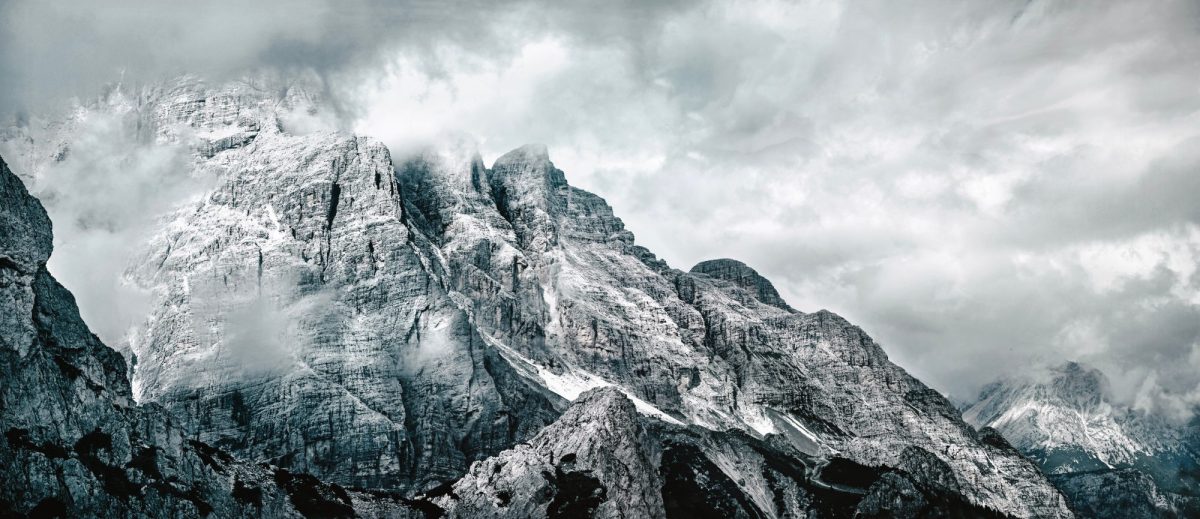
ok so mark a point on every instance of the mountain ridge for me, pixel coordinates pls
(1068, 423)
(430, 313)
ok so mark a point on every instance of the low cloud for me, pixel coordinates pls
(104, 194)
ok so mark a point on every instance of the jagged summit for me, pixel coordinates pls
(1083, 386)
(1064, 418)
(743, 276)
(24, 226)
(594, 461)
(530, 153)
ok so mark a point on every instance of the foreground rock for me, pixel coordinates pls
(595, 461)
(601, 459)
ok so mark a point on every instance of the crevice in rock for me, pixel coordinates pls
(248, 495)
(19, 438)
(578, 494)
(693, 486)
(312, 498)
(335, 194)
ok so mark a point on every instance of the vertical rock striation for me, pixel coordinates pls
(300, 320)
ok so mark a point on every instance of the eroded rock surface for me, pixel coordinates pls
(555, 282)
(595, 461)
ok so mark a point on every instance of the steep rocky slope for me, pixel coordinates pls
(298, 322)
(1109, 460)
(385, 325)
(294, 320)
(595, 461)
(555, 282)
(74, 442)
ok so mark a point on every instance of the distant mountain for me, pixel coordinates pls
(1109, 460)
(484, 341)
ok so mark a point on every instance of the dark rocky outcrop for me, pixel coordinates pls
(1122, 493)
(743, 277)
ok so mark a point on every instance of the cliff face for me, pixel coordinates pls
(387, 324)
(74, 443)
(1109, 460)
(299, 319)
(555, 282)
(595, 461)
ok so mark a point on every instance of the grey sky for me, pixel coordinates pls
(980, 185)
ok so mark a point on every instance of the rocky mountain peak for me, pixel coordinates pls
(398, 325)
(1083, 386)
(531, 194)
(595, 461)
(1064, 418)
(532, 153)
(24, 226)
(605, 405)
(742, 276)
(1072, 384)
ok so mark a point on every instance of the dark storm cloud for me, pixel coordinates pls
(981, 185)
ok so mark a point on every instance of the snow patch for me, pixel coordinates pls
(759, 421)
(219, 133)
(573, 382)
(800, 435)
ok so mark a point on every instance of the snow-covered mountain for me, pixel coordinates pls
(1098, 451)
(420, 327)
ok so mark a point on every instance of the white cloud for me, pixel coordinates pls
(104, 196)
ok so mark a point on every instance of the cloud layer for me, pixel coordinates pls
(980, 185)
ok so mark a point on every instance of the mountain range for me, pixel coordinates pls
(336, 331)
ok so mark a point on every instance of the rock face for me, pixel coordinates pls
(602, 460)
(555, 282)
(1109, 460)
(74, 443)
(298, 323)
(1122, 493)
(399, 325)
(296, 319)
(595, 461)
(744, 277)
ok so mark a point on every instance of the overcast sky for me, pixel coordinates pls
(981, 186)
